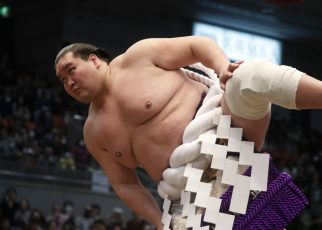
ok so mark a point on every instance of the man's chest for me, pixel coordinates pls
(113, 138)
(142, 95)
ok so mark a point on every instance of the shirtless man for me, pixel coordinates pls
(140, 105)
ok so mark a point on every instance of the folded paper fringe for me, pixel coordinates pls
(273, 209)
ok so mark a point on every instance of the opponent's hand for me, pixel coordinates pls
(228, 73)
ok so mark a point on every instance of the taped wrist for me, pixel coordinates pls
(258, 83)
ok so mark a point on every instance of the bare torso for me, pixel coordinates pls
(143, 120)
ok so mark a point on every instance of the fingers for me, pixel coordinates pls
(228, 73)
(224, 77)
(233, 66)
(239, 62)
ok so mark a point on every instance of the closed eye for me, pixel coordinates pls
(63, 80)
(71, 70)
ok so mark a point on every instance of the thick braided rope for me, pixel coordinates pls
(211, 101)
(191, 146)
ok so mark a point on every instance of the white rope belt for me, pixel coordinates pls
(198, 150)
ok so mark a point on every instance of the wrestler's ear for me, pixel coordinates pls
(95, 60)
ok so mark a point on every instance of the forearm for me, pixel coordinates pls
(141, 201)
(309, 93)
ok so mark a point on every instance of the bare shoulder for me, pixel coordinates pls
(146, 48)
(161, 43)
(156, 41)
(140, 52)
(156, 44)
(166, 53)
(91, 138)
(89, 132)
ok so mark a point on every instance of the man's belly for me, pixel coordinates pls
(153, 152)
(154, 142)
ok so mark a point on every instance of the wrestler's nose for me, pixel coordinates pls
(71, 82)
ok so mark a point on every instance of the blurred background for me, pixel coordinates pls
(48, 180)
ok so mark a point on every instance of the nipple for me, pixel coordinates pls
(148, 104)
(118, 154)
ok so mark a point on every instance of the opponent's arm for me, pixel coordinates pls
(258, 83)
(174, 53)
(309, 93)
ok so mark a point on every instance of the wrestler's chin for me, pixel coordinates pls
(82, 98)
(85, 101)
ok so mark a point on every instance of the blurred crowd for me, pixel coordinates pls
(20, 215)
(34, 117)
(299, 153)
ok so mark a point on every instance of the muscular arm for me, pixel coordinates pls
(127, 186)
(174, 53)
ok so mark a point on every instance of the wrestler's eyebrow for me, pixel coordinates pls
(65, 66)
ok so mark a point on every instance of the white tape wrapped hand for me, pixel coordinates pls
(257, 83)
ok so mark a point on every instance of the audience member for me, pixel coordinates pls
(96, 212)
(57, 215)
(68, 211)
(22, 214)
(136, 223)
(36, 220)
(116, 217)
(9, 204)
(81, 155)
(84, 221)
(99, 225)
(66, 161)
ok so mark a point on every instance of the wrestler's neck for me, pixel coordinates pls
(103, 94)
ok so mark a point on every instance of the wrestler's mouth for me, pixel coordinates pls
(76, 90)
